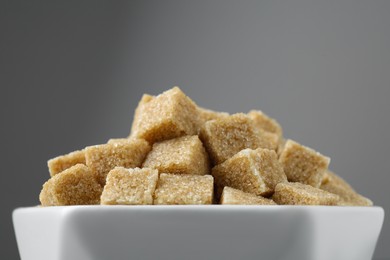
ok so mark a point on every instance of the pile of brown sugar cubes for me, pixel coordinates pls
(181, 154)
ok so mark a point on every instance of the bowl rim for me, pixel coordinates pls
(212, 207)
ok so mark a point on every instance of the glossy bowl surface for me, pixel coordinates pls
(197, 232)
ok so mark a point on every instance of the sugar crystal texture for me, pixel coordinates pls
(74, 186)
(265, 122)
(130, 186)
(182, 155)
(271, 140)
(166, 116)
(207, 115)
(173, 189)
(303, 164)
(103, 158)
(225, 137)
(63, 162)
(253, 171)
(232, 196)
(295, 193)
(348, 196)
(146, 98)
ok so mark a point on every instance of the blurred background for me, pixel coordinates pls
(72, 72)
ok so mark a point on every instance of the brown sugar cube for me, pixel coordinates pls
(266, 123)
(166, 116)
(348, 196)
(295, 193)
(207, 115)
(303, 164)
(175, 189)
(63, 162)
(74, 186)
(146, 98)
(271, 140)
(129, 186)
(182, 155)
(253, 171)
(103, 158)
(232, 196)
(225, 137)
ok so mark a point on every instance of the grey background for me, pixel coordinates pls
(72, 72)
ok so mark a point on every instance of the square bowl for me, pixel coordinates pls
(197, 232)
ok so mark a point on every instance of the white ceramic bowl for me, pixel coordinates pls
(197, 232)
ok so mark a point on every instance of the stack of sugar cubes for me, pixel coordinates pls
(181, 154)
